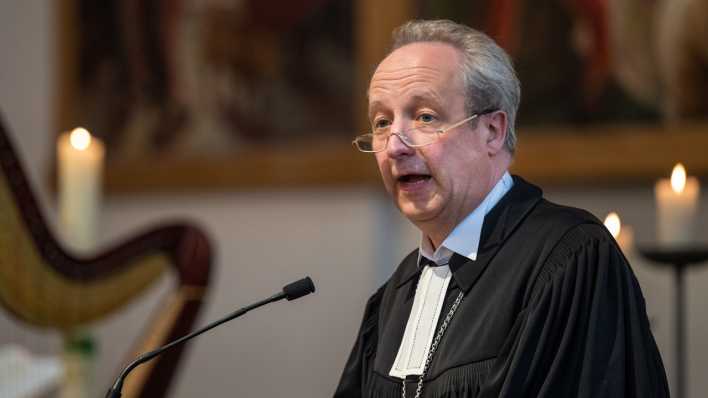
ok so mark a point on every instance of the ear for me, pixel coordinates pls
(496, 124)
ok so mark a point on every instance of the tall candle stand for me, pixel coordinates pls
(679, 259)
(80, 167)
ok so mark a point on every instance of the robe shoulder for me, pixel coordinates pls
(553, 222)
(583, 329)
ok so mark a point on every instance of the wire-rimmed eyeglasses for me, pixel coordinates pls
(415, 137)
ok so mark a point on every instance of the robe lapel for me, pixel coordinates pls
(498, 225)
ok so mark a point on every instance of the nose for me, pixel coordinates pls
(396, 147)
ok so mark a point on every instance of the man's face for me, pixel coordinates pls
(441, 183)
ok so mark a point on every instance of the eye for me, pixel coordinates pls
(381, 124)
(426, 118)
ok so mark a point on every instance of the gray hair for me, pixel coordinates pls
(487, 72)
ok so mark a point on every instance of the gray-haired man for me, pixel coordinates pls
(508, 294)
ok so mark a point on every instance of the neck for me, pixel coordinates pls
(436, 237)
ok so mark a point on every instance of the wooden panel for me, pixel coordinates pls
(329, 165)
(65, 53)
(375, 20)
(610, 155)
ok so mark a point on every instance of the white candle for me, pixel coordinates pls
(676, 205)
(80, 160)
(623, 234)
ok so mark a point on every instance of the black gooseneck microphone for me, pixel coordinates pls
(291, 292)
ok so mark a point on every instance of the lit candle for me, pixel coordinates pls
(623, 234)
(80, 162)
(676, 204)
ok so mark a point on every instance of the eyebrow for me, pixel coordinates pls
(372, 106)
(415, 99)
(427, 97)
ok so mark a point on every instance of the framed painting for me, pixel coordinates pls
(612, 91)
(194, 95)
(227, 94)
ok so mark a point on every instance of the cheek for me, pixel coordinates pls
(461, 165)
(381, 163)
(384, 169)
(440, 161)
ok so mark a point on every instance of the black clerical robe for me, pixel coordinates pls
(551, 309)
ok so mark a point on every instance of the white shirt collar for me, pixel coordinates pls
(464, 239)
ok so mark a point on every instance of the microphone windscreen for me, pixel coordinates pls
(299, 288)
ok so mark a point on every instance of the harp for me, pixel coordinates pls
(43, 285)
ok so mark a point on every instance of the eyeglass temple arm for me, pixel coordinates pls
(476, 115)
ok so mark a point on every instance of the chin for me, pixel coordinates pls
(416, 212)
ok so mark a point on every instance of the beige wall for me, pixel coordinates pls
(346, 239)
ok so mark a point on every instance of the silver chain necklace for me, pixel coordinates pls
(434, 347)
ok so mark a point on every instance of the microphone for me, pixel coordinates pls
(290, 292)
(298, 289)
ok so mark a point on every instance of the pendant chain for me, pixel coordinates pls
(434, 347)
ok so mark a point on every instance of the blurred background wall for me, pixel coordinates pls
(347, 239)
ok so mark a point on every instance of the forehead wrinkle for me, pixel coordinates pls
(421, 69)
(413, 89)
(408, 76)
(427, 80)
(402, 75)
(405, 82)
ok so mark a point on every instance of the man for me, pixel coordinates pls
(508, 295)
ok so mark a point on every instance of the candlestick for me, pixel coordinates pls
(80, 159)
(679, 259)
(676, 205)
(80, 165)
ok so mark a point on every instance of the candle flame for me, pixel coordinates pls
(80, 138)
(613, 224)
(678, 178)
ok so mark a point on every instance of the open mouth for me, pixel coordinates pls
(413, 178)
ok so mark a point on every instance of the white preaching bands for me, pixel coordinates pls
(434, 281)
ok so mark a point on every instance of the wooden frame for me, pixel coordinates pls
(553, 155)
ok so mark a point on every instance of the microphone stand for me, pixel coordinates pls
(292, 291)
